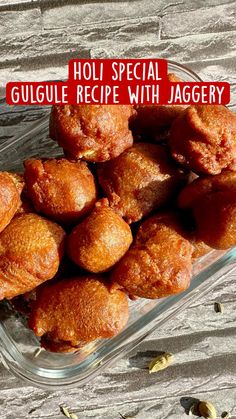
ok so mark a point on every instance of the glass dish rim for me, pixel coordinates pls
(94, 364)
(52, 378)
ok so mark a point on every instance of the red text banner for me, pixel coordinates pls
(135, 82)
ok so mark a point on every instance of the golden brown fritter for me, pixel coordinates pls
(26, 205)
(31, 249)
(9, 199)
(200, 248)
(19, 181)
(100, 240)
(184, 226)
(150, 120)
(61, 189)
(212, 201)
(79, 310)
(140, 180)
(159, 262)
(93, 133)
(178, 222)
(203, 138)
(195, 190)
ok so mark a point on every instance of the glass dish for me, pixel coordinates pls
(18, 345)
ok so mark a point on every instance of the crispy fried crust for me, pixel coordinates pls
(158, 264)
(200, 248)
(26, 205)
(151, 119)
(9, 198)
(100, 240)
(19, 181)
(142, 179)
(93, 133)
(31, 248)
(78, 310)
(212, 201)
(203, 139)
(61, 189)
(177, 221)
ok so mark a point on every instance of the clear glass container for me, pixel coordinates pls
(19, 347)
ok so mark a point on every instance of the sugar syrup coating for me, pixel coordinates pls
(61, 189)
(159, 263)
(100, 240)
(79, 309)
(140, 180)
(203, 139)
(212, 201)
(31, 248)
(94, 133)
(9, 198)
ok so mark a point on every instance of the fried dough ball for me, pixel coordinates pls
(200, 248)
(61, 189)
(177, 221)
(203, 139)
(31, 248)
(159, 263)
(19, 181)
(79, 310)
(26, 205)
(9, 199)
(184, 226)
(140, 180)
(100, 240)
(212, 201)
(151, 119)
(93, 133)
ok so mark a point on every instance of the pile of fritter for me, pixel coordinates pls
(138, 196)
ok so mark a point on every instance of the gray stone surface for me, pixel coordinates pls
(37, 38)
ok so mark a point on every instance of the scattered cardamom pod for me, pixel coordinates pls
(225, 415)
(65, 411)
(160, 362)
(37, 352)
(98, 364)
(207, 410)
(219, 308)
(193, 410)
